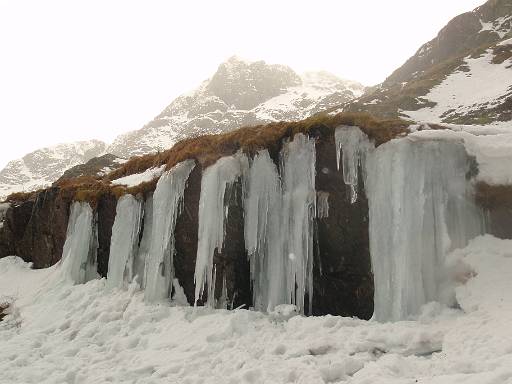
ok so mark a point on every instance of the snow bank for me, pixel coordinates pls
(139, 178)
(89, 334)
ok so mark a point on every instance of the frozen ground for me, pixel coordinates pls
(58, 333)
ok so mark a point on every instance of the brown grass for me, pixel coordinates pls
(208, 149)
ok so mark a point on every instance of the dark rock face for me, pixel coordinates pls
(105, 215)
(97, 166)
(36, 230)
(185, 235)
(342, 278)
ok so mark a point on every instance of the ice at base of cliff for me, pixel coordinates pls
(57, 332)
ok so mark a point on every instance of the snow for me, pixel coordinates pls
(498, 26)
(166, 206)
(138, 178)
(57, 332)
(456, 94)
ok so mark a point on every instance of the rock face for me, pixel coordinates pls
(239, 94)
(40, 168)
(343, 284)
(95, 167)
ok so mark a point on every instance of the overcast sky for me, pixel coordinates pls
(73, 70)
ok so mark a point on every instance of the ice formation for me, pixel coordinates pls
(263, 241)
(167, 205)
(212, 213)
(322, 209)
(419, 209)
(298, 160)
(352, 146)
(80, 249)
(124, 241)
(141, 259)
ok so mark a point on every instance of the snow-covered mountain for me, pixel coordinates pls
(462, 76)
(42, 167)
(240, 93)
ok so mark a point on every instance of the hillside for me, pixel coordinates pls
(462, 76)
(42, 167)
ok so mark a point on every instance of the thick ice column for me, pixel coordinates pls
(124, 243)
(167, 205)
(352, 145)
(298, 160)
(263, 240)
(420, 209)
(142, 257)
(79, 252)
(212, 214)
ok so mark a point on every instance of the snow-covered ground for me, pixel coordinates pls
(59, 333)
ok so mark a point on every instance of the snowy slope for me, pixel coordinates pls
(239, 94)
(59, 333)
(40, 168)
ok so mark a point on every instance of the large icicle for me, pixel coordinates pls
(80, 249)
(263, 239)
(352, 146)
(167, 205)
(212, 214)
(142, 257)
(298, 160)
(124, 241)
(419, 209)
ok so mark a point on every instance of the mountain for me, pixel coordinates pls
(462, 76)
(40, 168)
(239, 94)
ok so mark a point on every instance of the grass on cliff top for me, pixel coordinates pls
(209, 148)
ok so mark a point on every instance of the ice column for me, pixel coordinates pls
(419, 209)
(212, 214)
(352, 146)
(142, 257)
(263, 240)
(124, 241)
(80, 249)
(298, 160)
(167, 205)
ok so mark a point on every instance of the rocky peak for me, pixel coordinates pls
(244, 84)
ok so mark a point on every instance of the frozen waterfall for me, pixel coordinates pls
(352, 145)
(263, 240)
(419, 209)
(142, 257)
(212, 214)
(124, 241)
(167, 205)
(80, 249)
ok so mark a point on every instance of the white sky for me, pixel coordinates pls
(73, 70)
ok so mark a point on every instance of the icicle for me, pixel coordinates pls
(124, 242)
(141, 259)
(212, 214)
(322, 204)
(167, 205)
(80, 249)
(419, 209)
(354, 145)
(299, 210)
(262, 213)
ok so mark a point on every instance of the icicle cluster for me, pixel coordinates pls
(279, 225)
(80, 249)
(419, 209)
(142, 257)
(352, 145)
(124, 241)
(212, 214)
(167, 205)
